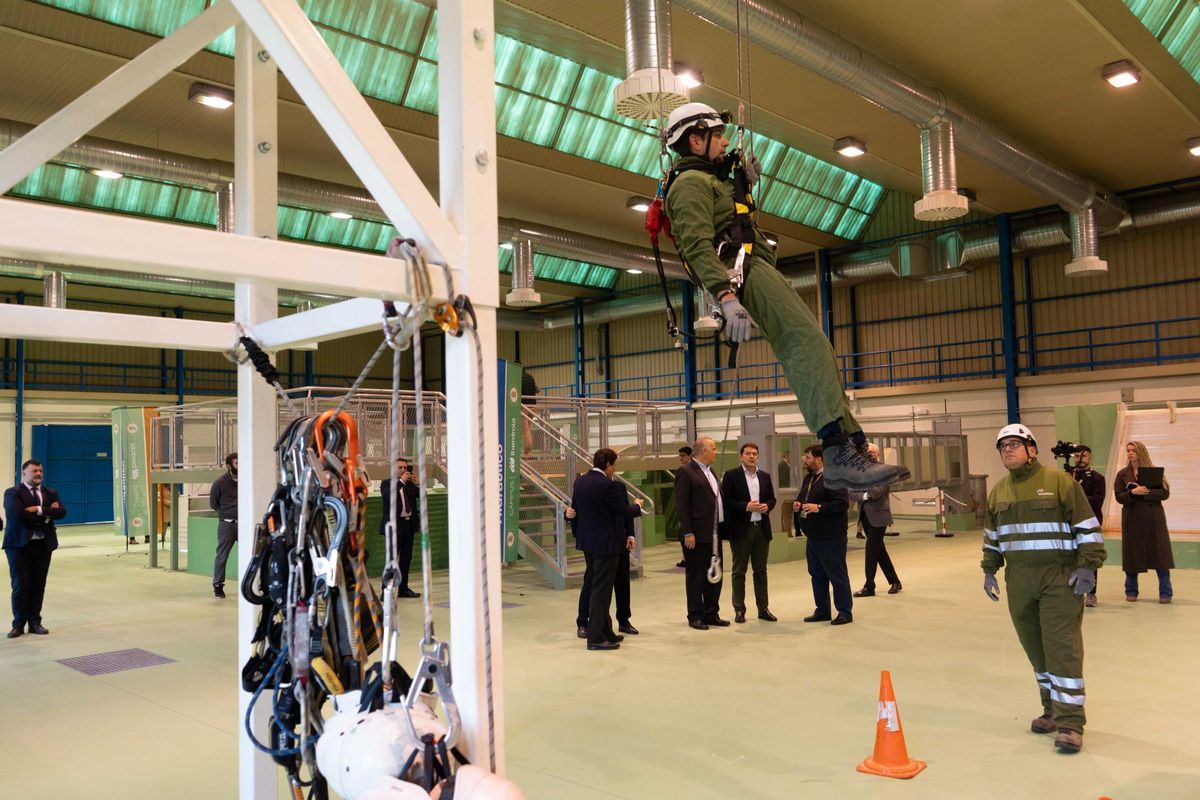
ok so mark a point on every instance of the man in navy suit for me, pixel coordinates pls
(408, 518)
(749, 497)
(601, 508)
(31, 509)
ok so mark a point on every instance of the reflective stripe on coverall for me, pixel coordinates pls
(1040, 527)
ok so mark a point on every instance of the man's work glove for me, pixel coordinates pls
(753, 170)
(738, 325)
(991, 586)
(1083, 580)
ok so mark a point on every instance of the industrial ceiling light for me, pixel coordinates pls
(506, 245)
(638, 204)
(850, 147)
(690, 77)
(1121, 74)
(634, 271)
(1193, 146)
(340, 215)
(212, 96)
(772, 239)
(107, 174)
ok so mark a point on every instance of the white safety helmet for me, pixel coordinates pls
(693, 115)
(1019, 431)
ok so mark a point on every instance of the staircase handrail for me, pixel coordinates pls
(569, 444)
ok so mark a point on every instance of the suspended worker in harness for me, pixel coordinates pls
(708, 204)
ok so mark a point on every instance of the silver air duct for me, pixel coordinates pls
(939, 178)
(775, 27)
(613, 311)
(591, 249)
(54, 290)
(650, 90)
(522, 294)
(1085, 246)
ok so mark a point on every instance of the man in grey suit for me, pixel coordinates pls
(875, 514)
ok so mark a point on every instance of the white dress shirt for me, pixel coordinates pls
(712, 481)
(752, 485)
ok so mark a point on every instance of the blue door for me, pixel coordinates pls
(77, 461)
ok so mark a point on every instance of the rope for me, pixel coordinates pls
(483, 558)
(262, 363)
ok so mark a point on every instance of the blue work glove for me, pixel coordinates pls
(991, 586)
(1083, 580)
(738, 325)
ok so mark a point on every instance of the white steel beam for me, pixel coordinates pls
(111, 94)
(346, 318)
(256, 169)
(101, 327)
(45, 233)
(467, 163)
(335, 101)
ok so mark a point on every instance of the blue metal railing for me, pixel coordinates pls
(100, 376)
(1155, 342)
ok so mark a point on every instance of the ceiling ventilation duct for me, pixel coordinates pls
(650, 90)
(779, 28)
(522, 294)
(1085, 246)
(54, 290)
(939, 176)
(911, 258)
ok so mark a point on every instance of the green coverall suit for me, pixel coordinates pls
(1040, 527)
(700, 206)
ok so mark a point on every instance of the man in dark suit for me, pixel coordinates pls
(601, 509)
(30, 539)
(701, 511)
(821, 513)
(875, 514)
(620, 584)
(408, 518)
(749, 497)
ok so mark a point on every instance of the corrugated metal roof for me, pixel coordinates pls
(1176, 25)
(389, 51)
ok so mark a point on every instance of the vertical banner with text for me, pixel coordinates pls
(511, 445)
(131, 470)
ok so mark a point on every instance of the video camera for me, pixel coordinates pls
(1065, 450)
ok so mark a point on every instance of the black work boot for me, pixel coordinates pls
(848, 468)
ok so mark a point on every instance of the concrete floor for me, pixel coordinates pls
(760, 710)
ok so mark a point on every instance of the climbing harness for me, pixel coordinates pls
(321, 620)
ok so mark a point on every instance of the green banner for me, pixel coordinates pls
(131, 471)
(512, 443)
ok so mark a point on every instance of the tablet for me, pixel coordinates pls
(1151, 477)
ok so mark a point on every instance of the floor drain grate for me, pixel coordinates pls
(115, 661)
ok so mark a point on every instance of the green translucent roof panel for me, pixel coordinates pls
(389, 49)
(1176, 25)
(564, 270)
(78, 187)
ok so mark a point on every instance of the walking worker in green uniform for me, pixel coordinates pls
(1040, 527)
(716, 237)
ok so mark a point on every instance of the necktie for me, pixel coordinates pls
(37, 493)
(403, 499)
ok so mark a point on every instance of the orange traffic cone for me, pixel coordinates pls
(890, 758)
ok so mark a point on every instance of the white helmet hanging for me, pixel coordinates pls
(693, 115)
(1019, 431)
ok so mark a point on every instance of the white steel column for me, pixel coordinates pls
(467, 157)
(256, 165)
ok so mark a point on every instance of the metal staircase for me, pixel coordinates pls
(189, 444)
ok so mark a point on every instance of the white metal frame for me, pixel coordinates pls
(462, 233)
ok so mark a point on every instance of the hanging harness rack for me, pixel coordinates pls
(321, 619)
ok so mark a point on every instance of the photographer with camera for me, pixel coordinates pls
(1093, 486)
